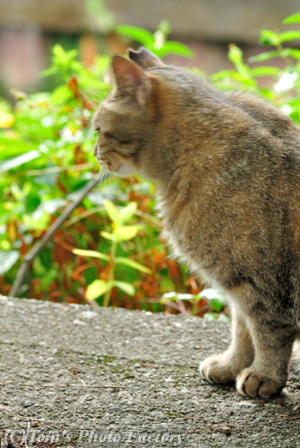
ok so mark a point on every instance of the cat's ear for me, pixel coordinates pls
(131, 79)
(144, 58)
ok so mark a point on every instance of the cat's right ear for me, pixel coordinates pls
(129, 78)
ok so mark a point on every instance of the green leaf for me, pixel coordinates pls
(186, 296)
(216, 316)
(136, 33)
(289, 35)
(125, 233)
(133, 264)
(217, 304)
(210, 293)
(164, 27)
(264, 56)
(14, 162)
(127, 212)
(33, 200)
(266, 93)
(48, 72)
(108, 236)
(211, 316)
(63, 59)
(268, 37)
(58, 51)
(294, 18)
(295, 53)
(171, 47)
(124, 286)
(97, 288)
(223, 318)
(235, 54)
(244, 80)
(40, 223)
(223, 74)
(90, 253)
(169, 297)
(295, 115)
(61, 94)
(112, 212)
(7, 259)
(264, 71)
(10, 147)
(89, 80)
(215, 297)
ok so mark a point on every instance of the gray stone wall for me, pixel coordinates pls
(215, 20)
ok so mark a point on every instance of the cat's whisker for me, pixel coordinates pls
(95, 99)
(103, 176)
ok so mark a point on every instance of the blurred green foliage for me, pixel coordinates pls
(109, 251)
(121, 232)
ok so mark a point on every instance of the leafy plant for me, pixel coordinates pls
(45, 153)
(46, 159)
(282, 88)
(208, 302)
(120, 232)
(157, 42)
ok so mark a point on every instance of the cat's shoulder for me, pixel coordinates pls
(263, 113)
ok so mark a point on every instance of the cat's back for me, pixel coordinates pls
(188, 95)
(271, 118)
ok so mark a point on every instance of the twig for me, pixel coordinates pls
(56, 169)
(28, 259)
(63, 386)
(286, 417)
(23, 417)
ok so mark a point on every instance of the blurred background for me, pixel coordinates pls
(54, 60)
(30, 28)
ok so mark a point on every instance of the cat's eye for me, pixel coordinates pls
(123, 142)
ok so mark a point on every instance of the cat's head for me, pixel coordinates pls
(129, 121)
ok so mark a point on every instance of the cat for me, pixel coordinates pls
(227, 169)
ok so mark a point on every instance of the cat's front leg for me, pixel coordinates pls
(273, 341)
(225, 367)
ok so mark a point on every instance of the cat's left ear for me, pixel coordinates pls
(144, 58)
(131, 79)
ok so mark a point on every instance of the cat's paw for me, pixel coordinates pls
(253, 385)
(216, 369)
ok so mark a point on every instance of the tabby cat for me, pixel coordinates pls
(227, 169)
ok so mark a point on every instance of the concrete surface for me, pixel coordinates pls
(74, 376)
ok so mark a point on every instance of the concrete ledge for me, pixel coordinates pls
(57, 361)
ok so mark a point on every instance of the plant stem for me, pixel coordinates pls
(35, 250)
(107, 296)
(287, 59)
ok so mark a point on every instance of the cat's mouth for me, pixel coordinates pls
(109, 165)
(117, 166)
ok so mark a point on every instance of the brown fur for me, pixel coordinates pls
(227, 168)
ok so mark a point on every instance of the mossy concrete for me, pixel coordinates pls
(91, 377)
